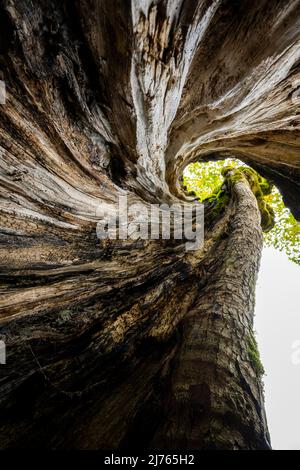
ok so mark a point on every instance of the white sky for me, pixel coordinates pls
(277, 323)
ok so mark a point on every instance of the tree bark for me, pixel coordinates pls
(114, 343)
(216, 394)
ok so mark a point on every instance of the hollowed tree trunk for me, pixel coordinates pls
(116, 343)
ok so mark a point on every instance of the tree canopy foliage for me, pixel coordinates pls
(203, 178)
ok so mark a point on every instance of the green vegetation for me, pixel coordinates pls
(209, 182)
(254, 356)
(285, 235)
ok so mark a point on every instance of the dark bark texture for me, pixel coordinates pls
(113, 343)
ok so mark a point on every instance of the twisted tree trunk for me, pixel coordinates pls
(114, 343)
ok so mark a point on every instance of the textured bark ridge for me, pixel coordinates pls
(111, 344)
(213, 378)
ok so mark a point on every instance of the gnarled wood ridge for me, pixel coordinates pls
(120, 343)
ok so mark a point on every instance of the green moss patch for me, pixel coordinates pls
(254, 355)
(259, 186)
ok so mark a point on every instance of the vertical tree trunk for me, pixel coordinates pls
(216, 399)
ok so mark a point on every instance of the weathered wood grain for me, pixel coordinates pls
(106, 97)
